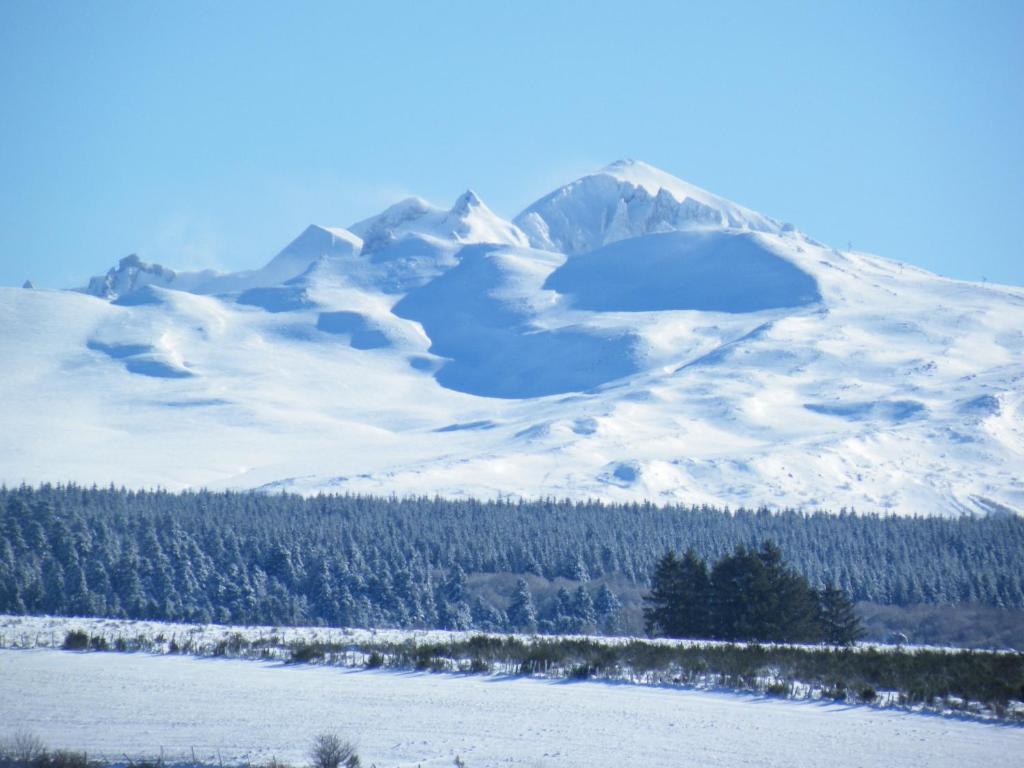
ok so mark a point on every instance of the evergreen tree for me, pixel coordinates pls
(662, 602)
(739, 589)
(790, 608)
(608, 608)
(839, 622)
(522, 617)
(452, 609)
(679, 602)
(694, 611)
(755, 596)
(583, 610)
(486, 617)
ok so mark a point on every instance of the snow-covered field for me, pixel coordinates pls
(628, 336)
(352, 648)
(135, 704)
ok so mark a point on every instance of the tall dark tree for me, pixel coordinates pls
(790, 609)
(837, 617)
(756, 596)
(679, 601)
(661, 604)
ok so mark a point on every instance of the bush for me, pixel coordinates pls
(329, 751)
(76, 640)
(777, 689)
(376, 661)
(22, 748)
(479, 667)
(867, 694)
(580, 672)
(63, 758)
(424, 659)
(304, 653)
(99, 643)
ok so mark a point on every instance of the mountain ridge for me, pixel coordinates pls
(628, 336)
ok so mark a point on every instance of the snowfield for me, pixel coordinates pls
(627, 337)
(234, 711)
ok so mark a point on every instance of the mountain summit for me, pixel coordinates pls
(627, 336)
(627, 199)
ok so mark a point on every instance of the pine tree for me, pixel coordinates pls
(694, 610)
(452, 609)
(608, 609)
(755, 596)
(839, 622)
(486, 617)
(522, 616)
(583, 610)
(661, 609)
(678, 604)
(563, 617)
(791, 613)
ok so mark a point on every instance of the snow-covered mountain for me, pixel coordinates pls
(628, 336)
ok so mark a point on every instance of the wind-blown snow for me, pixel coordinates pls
(241, 711)
(662, 344)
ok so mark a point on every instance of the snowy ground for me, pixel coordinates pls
(135, 704)
(19, 632)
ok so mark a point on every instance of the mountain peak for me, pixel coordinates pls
(467, 200)
(629, 162)
(629, 198)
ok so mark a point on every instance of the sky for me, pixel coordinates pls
(201, 134)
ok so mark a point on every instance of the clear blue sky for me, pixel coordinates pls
(211, 133)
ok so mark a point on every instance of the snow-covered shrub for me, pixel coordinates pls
(329, 751)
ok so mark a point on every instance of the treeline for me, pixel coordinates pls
(747, 595)
(368, 561)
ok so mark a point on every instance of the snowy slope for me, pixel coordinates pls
(242, 711)
(629, 337)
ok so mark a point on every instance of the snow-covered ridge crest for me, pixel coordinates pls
(629, 198)
(468, 221)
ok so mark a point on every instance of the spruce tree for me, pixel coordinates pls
(583, 609)
(607, 607)
(661, 612)
(839, 622)
(694, 610)
(522, 617)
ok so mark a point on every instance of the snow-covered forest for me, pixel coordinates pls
(427, 562)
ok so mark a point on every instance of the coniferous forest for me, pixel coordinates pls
(549, 566)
